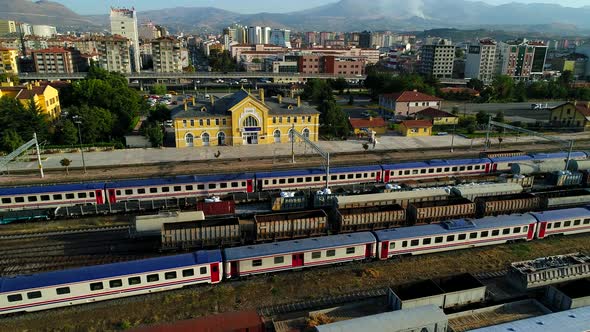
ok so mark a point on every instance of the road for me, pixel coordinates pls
(512, 111)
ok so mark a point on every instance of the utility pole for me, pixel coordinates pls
(453, 138)
(485, 146)
(292, 138)
(38, 155)
(78, 122)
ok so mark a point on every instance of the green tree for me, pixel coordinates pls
(502, 86)
(159, 89)
(66, 163)
(222, 61)
(340, 84)
(481, 117)
(155, 135)
(566, 78)
(160, 113)
(499, 117)
(256, 60)
(334, 121)
(67, 133)
(5, 77)
(317, 91)
(11, 140)
(96, 123)
(476, 84)
(519, 92)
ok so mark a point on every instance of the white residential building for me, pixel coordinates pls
(481, 60)
(437, 59)
(46, 31)
(254, 35)
(280, 37)
(167, 55)
(114, 53)
(124, 23)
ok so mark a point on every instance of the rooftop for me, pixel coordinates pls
(52, 50)
(435, 113)
(367, 123)
(411, 96)
(575, 320)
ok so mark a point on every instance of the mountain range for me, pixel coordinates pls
(344, 15)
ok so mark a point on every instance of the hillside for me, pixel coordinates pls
(42, 12)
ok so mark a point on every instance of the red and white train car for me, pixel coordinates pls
(562, 222)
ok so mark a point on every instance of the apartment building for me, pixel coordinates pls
(45, 97)
(124, 23)
(7, 27)
(521, 59)
(481, 60)
(167, 55)
(9, 64)
(437, 59)
(114, 53)
(53, 60)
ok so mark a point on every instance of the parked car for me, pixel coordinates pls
(219, 80)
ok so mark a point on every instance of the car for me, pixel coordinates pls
(172, 93)
(207, 96)
(219, 80)
(243, 80)
(442, 133)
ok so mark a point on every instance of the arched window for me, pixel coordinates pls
(277, 136)
(305, 133)
(291, 135)
(205, 138)
(221, 138)
(189, 139)
(250, 122)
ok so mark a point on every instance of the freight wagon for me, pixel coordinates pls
(150, 225)
(473, 191)
(368, 218)
(402, 198)
(507, 204)
(199, 234)
(280, 226)
(217, 208)
(428, 212)
(564, 198)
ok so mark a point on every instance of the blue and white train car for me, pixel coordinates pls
(562, 222)
(316, 177)
(454, 234)
(103, 282)
(179, 187)
(297, 254)
(435, 168)
(503, 164)
(50, 196)
(575, 155)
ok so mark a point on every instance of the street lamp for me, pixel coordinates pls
(77, 120)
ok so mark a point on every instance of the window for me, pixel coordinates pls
(177, 188)
(34, 295)
(203, 270)
(473, 235)
(462, 237)
(447, 169)
(350, 250)
(44, 197)
(115, 283)
(96, 286)
(32, 198)
(56, 197)
(567, 223)
(153, 277)
(506, 231)
(188, 188)
(217, 122)
(279, 260)
(192, 122)
(208, 122)
(127, 192)
(299, 180)
(316, 255)
(15, 298)
(6, 200)
(450, 238)
(495, 232)
(224, 122)
(586, 221)
(577, 222)
(426, 241)
(153, 190)
(235, 184)
(485, 234)
(438, 239)
(134, 280)
(165, 189)
(212, 185)
(291, 180)
(170, 275)
(62, 290)
(455, 169)
(423, 171)
(141, 191)
(201, 122)
(414, 243)
(201, 187)
(392, 245)
(188, 273)
(250, 121)
(257, 262)
(19, 199)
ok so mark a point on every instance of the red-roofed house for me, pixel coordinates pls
(53, 60)
(574, 114)
(45, 97)
(407, 103)
(437, 117)
(412, 128)
(361, 126)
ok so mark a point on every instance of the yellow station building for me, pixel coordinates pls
(243, 119)
(45, 97)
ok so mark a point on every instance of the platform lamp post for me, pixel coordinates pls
(77, 120)
(453, 138)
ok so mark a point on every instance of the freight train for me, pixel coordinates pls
(101, 193)
(103, 282)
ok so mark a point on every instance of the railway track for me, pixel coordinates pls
(65, 232)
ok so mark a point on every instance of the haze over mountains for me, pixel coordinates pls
(344, 15)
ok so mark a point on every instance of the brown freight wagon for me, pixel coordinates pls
(271, 227)
(501, 153)
(427, 212)
(199, 234)
(429, 183)
(507, 204)
(368, 218)
(217, 208)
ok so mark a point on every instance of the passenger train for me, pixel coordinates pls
(53, 196)
(88, 284)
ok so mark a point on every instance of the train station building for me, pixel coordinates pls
(243, 119)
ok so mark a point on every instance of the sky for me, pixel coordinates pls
(241, 6)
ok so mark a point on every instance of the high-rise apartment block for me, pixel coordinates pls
(8, 62)
(114, 53)
(437, 60)
(521, 60)
(53, 60)
(124, 23)
(167, 55)
(7, 27)
(280, 37)
(45, 31)
(481, 60)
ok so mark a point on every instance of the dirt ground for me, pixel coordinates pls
(284, 288)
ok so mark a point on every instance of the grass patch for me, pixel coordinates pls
(520, 249)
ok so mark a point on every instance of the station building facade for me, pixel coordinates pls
(242, 119)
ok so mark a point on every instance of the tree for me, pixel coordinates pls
(566, 78)
(5, 77)
(11, 140)
(256, 60)
(160, 113)
(222, 61)
(155, 135)
(350, 100)
(159, 89)
(334, 121)
(189, 69)
(339, 84)
(475, 84)
(499, 117)
(67, 133)
(96, 123)
(455, 110)
(481, 117)
(502, 86)
(66, 163)
(519, 92)
(317, 91)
